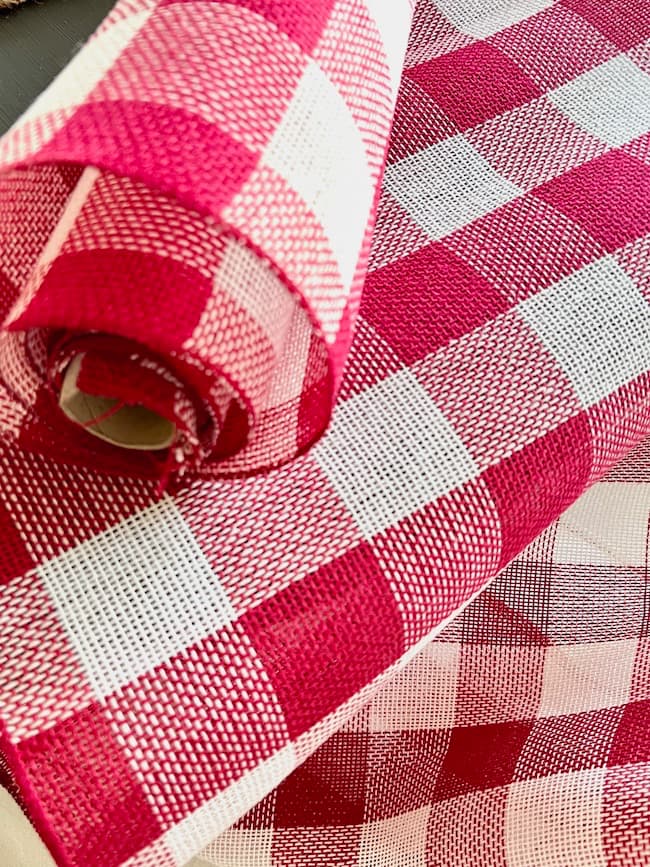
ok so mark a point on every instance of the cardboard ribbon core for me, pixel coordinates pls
(127, 426)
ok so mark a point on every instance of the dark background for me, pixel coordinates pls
(36, 41)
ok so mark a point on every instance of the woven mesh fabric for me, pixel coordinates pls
(168, 661)
(206, 177)
(519, 737)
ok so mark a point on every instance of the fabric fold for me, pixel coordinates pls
(518, 736)
(169, 659)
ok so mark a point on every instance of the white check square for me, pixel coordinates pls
(318, 149)
(447, 185)
(390, 451)
(481, 19)
(611, 101)
(579, 678)
(597, 325)
(400, 839)
(608, 525)
(135, 595)
(556, 820)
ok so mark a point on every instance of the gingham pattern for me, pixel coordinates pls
(221, 228)
(170, 661)
(520, 737)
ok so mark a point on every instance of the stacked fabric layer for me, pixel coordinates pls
(199, 188)
(520, 737)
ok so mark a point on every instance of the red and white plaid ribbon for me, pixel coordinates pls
(206, 177)
(168, 661)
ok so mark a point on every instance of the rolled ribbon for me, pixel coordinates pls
(169, 661)
(207, 177)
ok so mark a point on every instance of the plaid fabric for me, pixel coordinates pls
(240, 150)
(168, 661)
(520, 737)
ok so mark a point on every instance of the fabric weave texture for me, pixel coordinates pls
(519, 737)
(201, 185)
(170, 659)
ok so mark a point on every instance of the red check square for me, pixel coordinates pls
(88, 789)
(300, 650)
(609, 16)
(632, 740)
(609, 197)
(334, 778)
(481, 757)
(15, 559)
(474, 83)
(441, 297)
